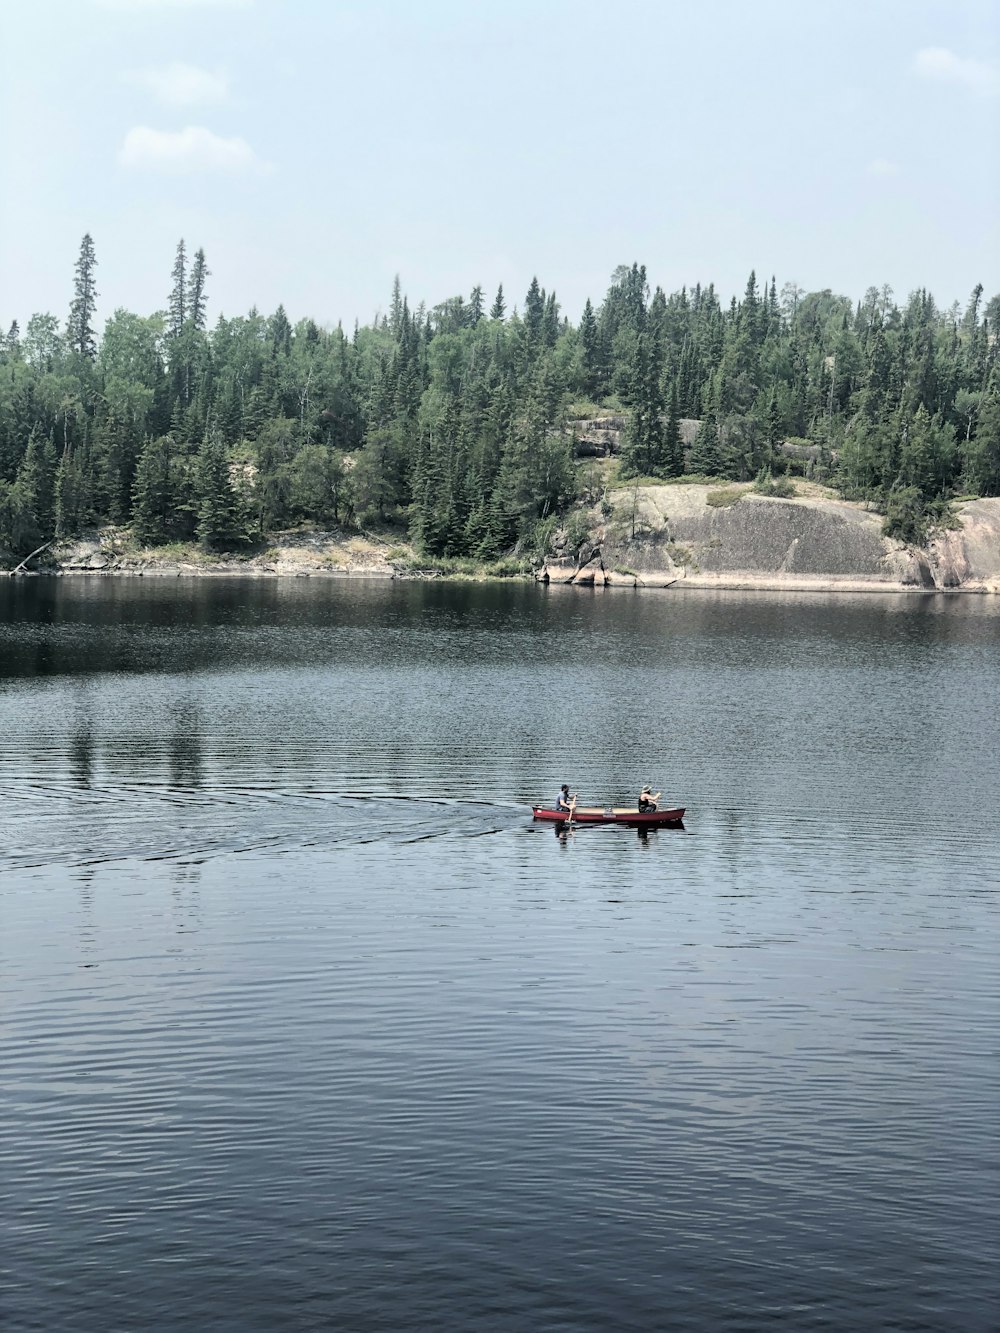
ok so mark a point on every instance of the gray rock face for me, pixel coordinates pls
(668, 533)
(596, 437)
(557, 570)
(782, 536)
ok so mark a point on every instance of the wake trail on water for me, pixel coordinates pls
(57, 824)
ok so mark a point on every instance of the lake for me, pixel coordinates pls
(308, 1026)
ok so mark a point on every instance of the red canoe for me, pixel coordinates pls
(608, 814)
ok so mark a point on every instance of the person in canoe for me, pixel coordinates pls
(565, 803)
(647, 801)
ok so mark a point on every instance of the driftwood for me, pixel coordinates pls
(17, 568)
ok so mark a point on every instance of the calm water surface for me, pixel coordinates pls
(306, 1026)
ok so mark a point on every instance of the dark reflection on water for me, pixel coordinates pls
(186, 768)
(307, 1026)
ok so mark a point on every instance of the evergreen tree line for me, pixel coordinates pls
(452, 420)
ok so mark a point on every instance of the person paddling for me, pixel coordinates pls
(647, 801)
(565, 803)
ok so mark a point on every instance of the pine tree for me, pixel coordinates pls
(498, 307)
(981, 454)
(177, 310)
(154, 502)
(775, 431)
(589, 350)
(476, 307)
(32, 499)
(749, 310)
(673, 445)
(196, 290)
(396, 309)
(550, 321)
(223, 521)
(72, 508)
(534, 313)
(643, 453)
(80, 325)
(927, 454)
(19, 531)
(704, 456)
(280, 330)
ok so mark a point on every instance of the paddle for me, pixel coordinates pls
(572, 807)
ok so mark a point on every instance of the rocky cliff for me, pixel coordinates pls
(731, 537)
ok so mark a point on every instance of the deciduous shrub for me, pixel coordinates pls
(723, 498)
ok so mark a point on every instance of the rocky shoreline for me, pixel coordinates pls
(296, 554)
(669, 536)
(704, 536)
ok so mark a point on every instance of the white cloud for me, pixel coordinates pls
(140, 6)
(881, 166)
(192, 149)
(937, 62)
(182, 85)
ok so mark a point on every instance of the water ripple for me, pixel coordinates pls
(307, 1026)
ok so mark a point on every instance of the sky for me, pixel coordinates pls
(316, 148)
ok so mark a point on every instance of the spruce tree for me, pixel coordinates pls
(775, 431)
(550, 321)
(177, 310)
(223, 521)
(981, 453)
(153, 500)
(589, 350)
(71, 495)
(200, 272)
(673, 445)
(534, 313)
(498, 308)
(643, 453)
(19, 531)
(32, 497)
(704, 453)
(80, 325)
(396, 308)
(280, 330)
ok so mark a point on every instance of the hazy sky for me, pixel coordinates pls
(315, 148)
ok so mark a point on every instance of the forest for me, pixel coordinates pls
(450, 423)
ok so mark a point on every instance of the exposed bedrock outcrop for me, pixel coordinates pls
(969, 556)
(732, 537)
(598, 436)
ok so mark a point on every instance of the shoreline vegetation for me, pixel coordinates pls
(789, 439)
(680, 535)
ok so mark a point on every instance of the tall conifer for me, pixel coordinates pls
(200, 272)
(177, 311)
(80, 325)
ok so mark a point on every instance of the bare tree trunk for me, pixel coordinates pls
(17, 569)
